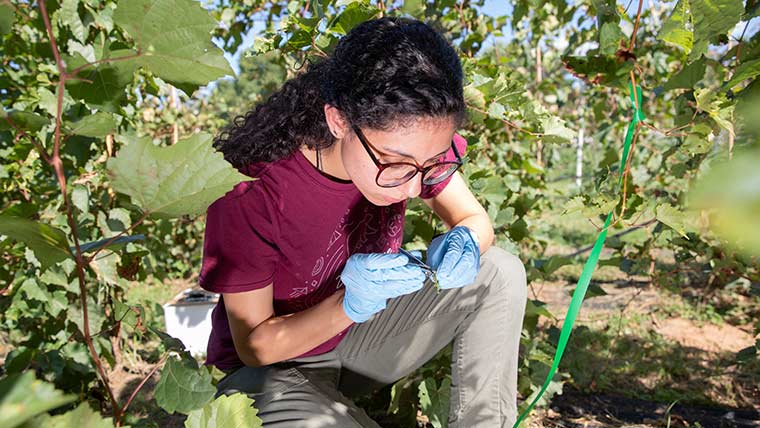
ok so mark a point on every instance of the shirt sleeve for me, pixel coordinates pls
(429, 191)
(239, 245)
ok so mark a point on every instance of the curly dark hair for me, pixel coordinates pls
(384, 73)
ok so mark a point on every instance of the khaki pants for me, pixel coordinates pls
(484, 319)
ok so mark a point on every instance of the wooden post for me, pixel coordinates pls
(579, 159)
(174, 101)
(539, 78)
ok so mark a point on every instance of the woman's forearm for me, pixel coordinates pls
(283, 337)
(482, 227)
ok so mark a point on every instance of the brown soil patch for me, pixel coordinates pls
(707, 337)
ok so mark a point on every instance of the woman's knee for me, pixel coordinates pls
(509, 270)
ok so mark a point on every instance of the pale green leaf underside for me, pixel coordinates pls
(183, 179)
(48, 243)
(174, 39)
(22, 397)
(227, 411)
(183, 386)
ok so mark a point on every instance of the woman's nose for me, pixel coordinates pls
(414, 186)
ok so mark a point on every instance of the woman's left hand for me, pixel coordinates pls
(455, 256)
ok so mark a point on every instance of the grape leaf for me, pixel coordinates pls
(184, 386)
(98, 124)
(183, 56)
(23, 120)
(183, 179)
(713, 18)
(22, 397)
(81, 417)
(677, 29)
(48, 243)
(227, 411)
(688, 76)
(7, 16)
(745, 70)
(672, 217)
(435, 401)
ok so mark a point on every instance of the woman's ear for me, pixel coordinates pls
(335, 121)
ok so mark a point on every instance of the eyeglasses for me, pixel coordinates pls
(397, 173)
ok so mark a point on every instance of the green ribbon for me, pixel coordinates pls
(593, 259)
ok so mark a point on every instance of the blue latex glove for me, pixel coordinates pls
(455, 256)
(371, 279)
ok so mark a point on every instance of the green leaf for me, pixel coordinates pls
(95, 315)
(126, 314)
(688, 76)
(69, 16)
(672, 217)
(695, 144)
(609, 38)
(600, 69)
(24, 120)
(81, 417)
(33, 291)
(7, 16)
(48, 243)
(730, 192)
(23, 397)
(170, 343)
(183, 56)
(58, 303)
(713, 18)
(435, 401)
(95, 125)
(104, 266)
(677, 29)
(403, 401)
(353, 15)
(746, 70)
(551, 264)
(593, 290)
(717, 106)
(606, 12)
(496, 111)
(80, 197)
(536, 308)
(227, 411)
(413, 7)
(555, 131)
(183, 179)
(102, 86)
(184, 386)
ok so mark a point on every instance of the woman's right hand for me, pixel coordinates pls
(371, 279)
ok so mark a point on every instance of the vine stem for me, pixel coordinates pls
(140, 385)
(76, 71)
(57, 163)
(627, 170)
(506, 122)
(635, 28)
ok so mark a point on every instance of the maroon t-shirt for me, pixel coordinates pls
(294, 227)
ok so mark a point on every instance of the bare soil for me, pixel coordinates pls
(734, 395)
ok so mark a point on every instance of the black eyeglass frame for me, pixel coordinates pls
(382, 166)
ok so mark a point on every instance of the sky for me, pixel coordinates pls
(492, 8)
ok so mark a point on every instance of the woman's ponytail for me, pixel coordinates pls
(290, 118)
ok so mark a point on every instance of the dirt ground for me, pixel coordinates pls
(708, 342)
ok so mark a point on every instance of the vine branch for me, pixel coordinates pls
(57, 163)
(506, 122)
